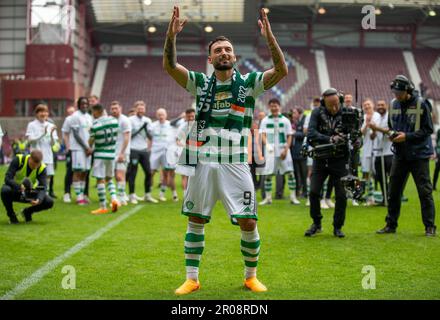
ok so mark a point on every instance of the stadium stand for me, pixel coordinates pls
(142, 78)
(428, 64)
(374, 68)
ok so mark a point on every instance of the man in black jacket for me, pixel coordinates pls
(25, 181)
(299, 161)
(326, 128)
(411, 126)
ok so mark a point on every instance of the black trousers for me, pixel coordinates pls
(280, 184)
(436, 171)
(300, 167)
(336, 169)
(142, 158)
(388, 160)
(9, 196)
(330, 186)
(400, 170)
(68, 178)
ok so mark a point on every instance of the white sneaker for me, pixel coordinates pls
(133, 199)
(123, 202)
(370, 202)
(324, 204)
(308, 202)
(355, 203)
(67, 198)
(162, 197)
(266, 201)
(175, 198)
(87, 199)
(293, 199)
(149, 198)
(330, 203)
(137, 197)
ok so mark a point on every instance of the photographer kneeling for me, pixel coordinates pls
(25, 181)
(328, 136)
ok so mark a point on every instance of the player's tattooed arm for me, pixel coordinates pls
(272, 76)
(178, 72)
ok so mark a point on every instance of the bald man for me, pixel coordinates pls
(163, 139)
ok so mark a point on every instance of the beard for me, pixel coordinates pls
(220, 66)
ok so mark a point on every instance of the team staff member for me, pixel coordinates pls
(410, 119)
(32, 168)
(139, 153)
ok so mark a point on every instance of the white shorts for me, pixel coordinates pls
(172, 156)
(81, 162)
(103, 168)
(50, 171)
(122, 166)
(367, 164)
(274, 165)
(230, 183)
(158, 159)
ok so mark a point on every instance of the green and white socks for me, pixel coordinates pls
(79, 187)
(194, 245)
(121, 191)
(112, 190)
(250, 248)
(291, 181)
(101, 195)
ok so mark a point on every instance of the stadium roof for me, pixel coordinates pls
(126, 21)
(130, 11)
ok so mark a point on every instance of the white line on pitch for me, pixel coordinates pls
(51, 265)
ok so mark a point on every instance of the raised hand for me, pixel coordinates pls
(176, 23)
(264, 24)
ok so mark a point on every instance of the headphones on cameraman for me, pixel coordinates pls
(331, 92)
(402, 83)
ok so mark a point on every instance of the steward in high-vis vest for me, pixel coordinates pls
(25, 181)
(410, 124)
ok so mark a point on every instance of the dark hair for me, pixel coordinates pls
(299, 109)
(219, 38)
(78, 103)
(316, 99)
(36, 155)
(274, 100)
(98, 107)
(190, 110)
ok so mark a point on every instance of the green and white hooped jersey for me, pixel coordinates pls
(105, 132)
(217, 149)
(277, 129)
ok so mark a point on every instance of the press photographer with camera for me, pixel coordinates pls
(25, 181)
(411, 126)
(329, 137)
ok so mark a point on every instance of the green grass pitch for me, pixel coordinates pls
(142, 257)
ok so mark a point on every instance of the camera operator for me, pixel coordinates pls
(326, 128)
(411, 126)
(25, 181)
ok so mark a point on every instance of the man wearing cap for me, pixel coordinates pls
(25, 181)
(325, 129)
(411, 126)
